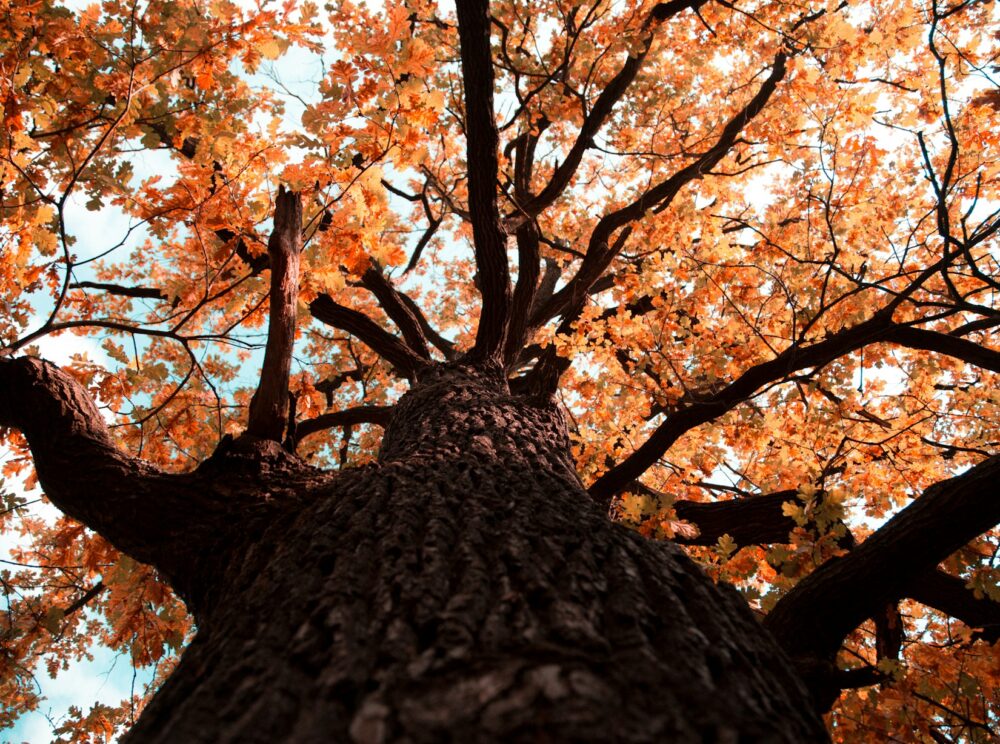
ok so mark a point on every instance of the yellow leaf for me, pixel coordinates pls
(269, 49)
(328, 279)
(43, 214)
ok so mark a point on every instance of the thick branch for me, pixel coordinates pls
(947, 344)
(813, 618)
(378, 415)
(683, 420)
(760, 520)
(390, 348)
(442, 344)
(401, 313)
(269, 405)
(528, 259)
(482, 142)
(950, 595)
(757, 520)
(878, 328)
(151, 293)
(331, 385)
(142, 511)
(889, 634)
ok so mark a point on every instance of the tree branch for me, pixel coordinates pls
(400, 312)
(757, 520)
(151, 293)
(944, 343)
(330, 386)
(878, 328)
(394, 351)
(142, 511)
(813, 619)
(529, 270)
(602, 249)
(683, 420)
(482, 143)
(601, 110)
(950, 595)
(442, 344)
(378, 415)
(269, 405)
(82, 601)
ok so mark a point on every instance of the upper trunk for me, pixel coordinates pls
(466, 588)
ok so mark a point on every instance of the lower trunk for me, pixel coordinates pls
(466, 588)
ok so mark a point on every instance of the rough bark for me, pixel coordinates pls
(269, 406)
(466, 588)
(758, 520)
(378, 415)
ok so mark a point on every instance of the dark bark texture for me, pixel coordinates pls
(465, 588)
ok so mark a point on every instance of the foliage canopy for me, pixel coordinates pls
(753, 248)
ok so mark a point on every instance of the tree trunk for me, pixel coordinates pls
(464, 588)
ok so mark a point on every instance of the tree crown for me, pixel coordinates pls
(749, 248)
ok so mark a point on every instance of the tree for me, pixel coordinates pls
(709, 280)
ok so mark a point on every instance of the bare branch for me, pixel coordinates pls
(269, 404)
